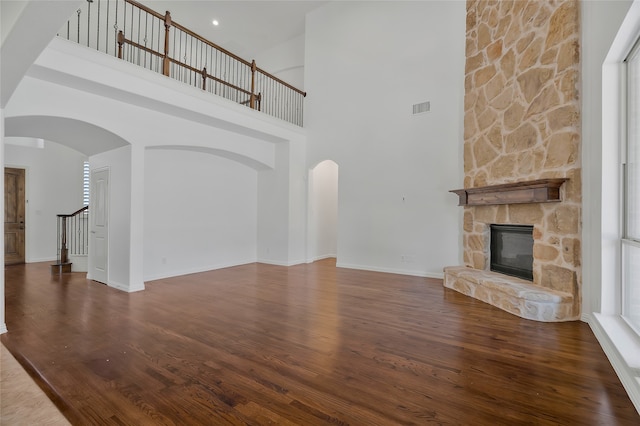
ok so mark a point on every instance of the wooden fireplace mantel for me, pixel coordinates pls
(534, 191)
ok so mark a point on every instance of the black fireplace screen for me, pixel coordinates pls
(512, 250)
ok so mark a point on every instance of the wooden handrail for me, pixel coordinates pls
(248, 77)
(123, 40)
(186, 30)
(146, 9)
(85, 208)
(189, 67)
(284, 83)
(212, 44)
(141, 47)
(239, 89)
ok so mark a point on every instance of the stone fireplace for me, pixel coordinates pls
(522, 125)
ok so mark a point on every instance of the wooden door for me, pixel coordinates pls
(14, 208)
(99, 226)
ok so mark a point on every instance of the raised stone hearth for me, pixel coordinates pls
(522, 124)
(511, 294)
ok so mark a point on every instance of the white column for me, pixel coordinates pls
(136, 254)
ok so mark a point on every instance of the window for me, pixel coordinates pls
(631, 235)
(85, 184)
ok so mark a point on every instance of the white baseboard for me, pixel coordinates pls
(124, 287)
(326, 256)
(41, 259)
(3, 328)
(272, 262)
(621, 345)
(135, 288)
(437, 275)
(279, 263)
(180, 272)
(117, 285)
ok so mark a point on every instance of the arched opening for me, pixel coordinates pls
(79, 135)
(323, 211)
(55, 171)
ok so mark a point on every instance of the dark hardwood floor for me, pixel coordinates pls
(310, 344)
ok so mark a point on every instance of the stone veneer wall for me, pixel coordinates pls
(522, 122)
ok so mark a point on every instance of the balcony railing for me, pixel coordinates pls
(137, 34)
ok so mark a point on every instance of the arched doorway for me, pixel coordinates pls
(55, 173)
(323, 211)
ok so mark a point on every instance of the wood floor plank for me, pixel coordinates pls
(304, 345)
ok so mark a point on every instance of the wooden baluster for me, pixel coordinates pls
(63, 242)
(120, 43)
(167, 26)
(252, 101)
(204, 78)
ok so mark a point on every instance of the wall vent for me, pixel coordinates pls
(421, 107)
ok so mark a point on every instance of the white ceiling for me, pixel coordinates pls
(246, 27)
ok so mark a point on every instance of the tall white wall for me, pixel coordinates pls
(53, 186)
(285, 61)
(200, 213)
(366, 64)
(10, 12)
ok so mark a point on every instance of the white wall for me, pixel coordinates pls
(285, 61)
(200, 213)
(366, 64)
(20, 43)
(53, 186)
(10, 12)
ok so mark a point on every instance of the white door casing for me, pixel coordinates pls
(99, 226)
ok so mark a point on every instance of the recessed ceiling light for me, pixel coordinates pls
(215, 22)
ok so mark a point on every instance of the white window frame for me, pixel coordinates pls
(86, 176)
(619, 341)
(630, 243)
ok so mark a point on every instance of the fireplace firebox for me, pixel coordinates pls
(512, 250)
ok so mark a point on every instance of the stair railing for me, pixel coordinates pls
(73, 235)
(135, 33)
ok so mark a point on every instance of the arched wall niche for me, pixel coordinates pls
(323, 211)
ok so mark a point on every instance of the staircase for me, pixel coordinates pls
(72, 242)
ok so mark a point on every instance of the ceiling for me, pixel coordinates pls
(245, 28)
